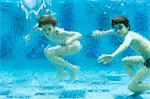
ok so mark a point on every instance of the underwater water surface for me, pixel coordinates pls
(25, 72)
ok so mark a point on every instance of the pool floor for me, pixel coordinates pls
(89, 85)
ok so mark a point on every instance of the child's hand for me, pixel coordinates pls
(96, 33)
(105, 58)
(27, 38)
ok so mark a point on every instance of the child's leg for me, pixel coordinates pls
(131, 61)
(61, 72)
(62, 63)
(142, 74)
(55, 56)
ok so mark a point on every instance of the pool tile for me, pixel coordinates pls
(73, 94)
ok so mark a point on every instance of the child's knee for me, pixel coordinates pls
(45, 51)
(49, 52)
(132, 87)
(125, 61)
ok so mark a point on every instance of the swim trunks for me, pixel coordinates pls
(147, 63)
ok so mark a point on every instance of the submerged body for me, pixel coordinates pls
(64, 48)
(138, 43)
(60, 37)
(141, 45)
(67, 44)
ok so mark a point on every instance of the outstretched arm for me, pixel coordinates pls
(34, 29)
(28, 36)
(106, 58)
(123, 46)
(98, 33)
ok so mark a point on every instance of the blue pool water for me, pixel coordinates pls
(25, 73)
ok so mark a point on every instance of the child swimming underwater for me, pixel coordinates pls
(68, 44)
(121, 26)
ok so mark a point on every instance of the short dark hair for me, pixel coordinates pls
(47, 19)
(121, 19)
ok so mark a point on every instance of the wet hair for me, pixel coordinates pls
(121, 19)
(47, 19)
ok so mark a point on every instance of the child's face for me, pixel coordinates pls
(121, 29)
(48, 28)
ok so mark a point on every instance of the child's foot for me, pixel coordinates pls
(61, 74)
(74, 72)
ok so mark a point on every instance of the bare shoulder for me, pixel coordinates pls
(133, 34)
(137, 36)
(62, 31)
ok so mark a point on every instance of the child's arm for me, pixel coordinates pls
(109, 57)
(28, 36)
(101, 33)
(72, 36)
(75, 36)
(34, 29)
(123, 46)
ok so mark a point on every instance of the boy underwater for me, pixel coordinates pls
(68, 44)
(121, 26)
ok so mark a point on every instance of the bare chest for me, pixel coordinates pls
(56, 37)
